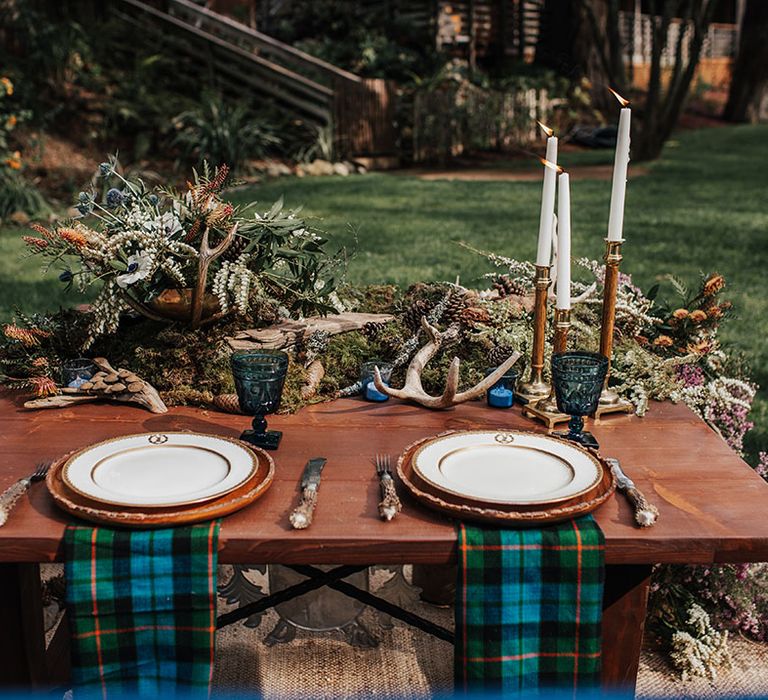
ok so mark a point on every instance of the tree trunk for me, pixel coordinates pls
(663, 106)
(749, 85)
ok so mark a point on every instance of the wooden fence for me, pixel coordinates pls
(458, 118)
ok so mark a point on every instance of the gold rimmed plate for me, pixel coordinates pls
(159, 470)
(507, 467)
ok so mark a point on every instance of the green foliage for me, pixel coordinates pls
(223, 132)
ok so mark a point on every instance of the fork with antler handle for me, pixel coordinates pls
(12, 494)
(390, 504)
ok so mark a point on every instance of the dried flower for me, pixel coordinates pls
(680, 314)
(40, 363)
(26, 336)
(698, 315)
(11, 121)
(7, 85)
(34, 242)
(713, 284)
(44, 386)
(39, 228)
(14, 161)
(73, 236)
(663, 341)
(700, 348)
(105, 169)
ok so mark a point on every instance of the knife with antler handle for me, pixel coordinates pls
(646, 514)
(301, 517)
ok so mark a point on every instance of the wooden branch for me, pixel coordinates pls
(115, 385)
(287, 334)
(413, 389)
(207, 256)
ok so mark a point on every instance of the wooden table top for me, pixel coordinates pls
(711, 503)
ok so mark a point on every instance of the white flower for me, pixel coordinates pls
(139, 267)
(168, 224)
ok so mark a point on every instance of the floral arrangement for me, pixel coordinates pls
(136, 244)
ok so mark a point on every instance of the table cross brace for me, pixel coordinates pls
(381, 604)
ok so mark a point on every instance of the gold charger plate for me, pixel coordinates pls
(103, 514)
(517, 515)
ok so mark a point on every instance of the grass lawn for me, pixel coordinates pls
(702, 208)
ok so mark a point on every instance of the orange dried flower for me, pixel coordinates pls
(715, 312)
(40, 362)
(663, 341)
(680, 314)
(7, 85)
(11, 122)
(41, 230)
(14, 162)
(698, 315)
(700, 348)
(73, 237)
(713, 284)
(44, 386)
(26, 336)
(33, 242)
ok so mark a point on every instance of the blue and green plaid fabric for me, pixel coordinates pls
(528, 608)
(142, 609)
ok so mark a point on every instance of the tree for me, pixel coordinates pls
(749, 85)
(668, 87)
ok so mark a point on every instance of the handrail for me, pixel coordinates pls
(300, 81)
(265, 41)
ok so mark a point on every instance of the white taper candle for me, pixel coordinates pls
(619, 188)
(543, 253)
(563, 296)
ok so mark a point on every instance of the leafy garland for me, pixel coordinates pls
(663, 352)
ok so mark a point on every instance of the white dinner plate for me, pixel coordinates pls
(514, 468)
(159, 469)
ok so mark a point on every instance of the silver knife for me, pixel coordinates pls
(646, 514)
(301, 517)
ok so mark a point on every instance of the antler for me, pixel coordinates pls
(207, 256)
(413, 389)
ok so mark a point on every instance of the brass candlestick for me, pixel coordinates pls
(610, 401)
(546, 409)
(536, 388)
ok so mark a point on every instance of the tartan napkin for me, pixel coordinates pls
(528, 608)
(142, 609)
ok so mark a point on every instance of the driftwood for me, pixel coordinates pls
(108, 383)
(413, 389)
(286, 334)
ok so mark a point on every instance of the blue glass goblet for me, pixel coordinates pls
(259, 379)
(578, 378)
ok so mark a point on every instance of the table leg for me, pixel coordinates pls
(624, 606)
(22, 633)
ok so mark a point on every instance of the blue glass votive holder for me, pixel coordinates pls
(502, 393)
(370, 392)
(75, 373)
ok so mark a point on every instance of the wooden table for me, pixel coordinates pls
(710, 504)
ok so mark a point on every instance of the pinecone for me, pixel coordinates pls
(229, 403)
(413, 313)
(237, 246)
(456, 304)
(473, 315)
(498, 354)
(372, 330)
(506, 286)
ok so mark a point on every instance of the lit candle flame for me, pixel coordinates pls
(546, 129)
(553, 166)
(622, 101)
